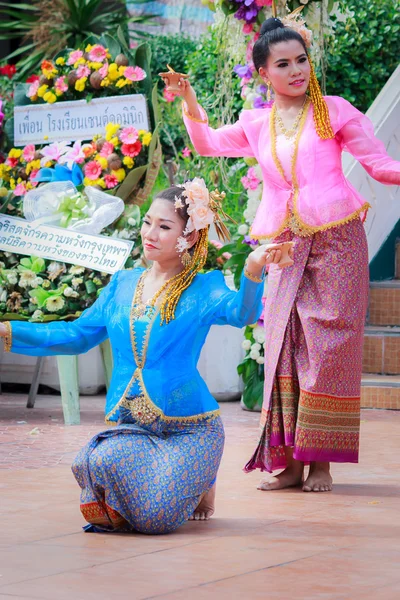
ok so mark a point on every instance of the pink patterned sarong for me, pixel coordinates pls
(314, 318)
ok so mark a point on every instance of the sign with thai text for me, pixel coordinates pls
(77, 120)
(97, 252)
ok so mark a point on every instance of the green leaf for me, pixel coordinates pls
(41, 296)
(90, 287)
(38, 265)
(130, 182)
(122, 40)
(112, 44)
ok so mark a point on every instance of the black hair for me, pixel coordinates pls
(171, 194)
(272, 32)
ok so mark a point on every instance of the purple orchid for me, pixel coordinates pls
(247, 12)
(260, 103)
(243, 71)
(249, 241)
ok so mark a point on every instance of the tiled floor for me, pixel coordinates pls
(276, 545)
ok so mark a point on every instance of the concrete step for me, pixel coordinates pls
(381, 352)
(380, 391)
(384, 303)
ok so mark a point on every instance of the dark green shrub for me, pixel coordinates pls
(364, 51)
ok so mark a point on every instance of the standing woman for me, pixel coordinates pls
(315, 310)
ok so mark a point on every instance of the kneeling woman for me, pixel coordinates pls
(158, 467)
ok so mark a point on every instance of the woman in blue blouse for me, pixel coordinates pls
(158, 466)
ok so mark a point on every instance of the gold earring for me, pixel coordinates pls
(186, 258)
(268, 91)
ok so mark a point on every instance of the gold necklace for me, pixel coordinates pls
(289, 133)
(296, 142)
(140, 308)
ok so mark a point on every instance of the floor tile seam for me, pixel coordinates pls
(19, 596)
(252, 571)
(43, 541)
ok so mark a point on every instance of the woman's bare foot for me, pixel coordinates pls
(290, 477)
(206, 506)
(319, 478)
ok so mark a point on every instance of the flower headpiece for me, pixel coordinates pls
(204, 208)
(296, 22)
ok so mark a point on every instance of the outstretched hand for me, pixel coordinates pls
(266, 254)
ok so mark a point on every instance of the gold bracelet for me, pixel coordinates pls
(252, 277)
(7, 337)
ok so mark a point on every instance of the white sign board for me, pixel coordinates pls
(97, 252)
(77, 120)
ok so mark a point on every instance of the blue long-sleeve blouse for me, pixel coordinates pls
(154, 372)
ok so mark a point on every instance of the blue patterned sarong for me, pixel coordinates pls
(147, 478)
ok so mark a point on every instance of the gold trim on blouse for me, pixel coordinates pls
(189, 116)
(141, 407)
(293, 220)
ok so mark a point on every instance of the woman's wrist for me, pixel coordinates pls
(192, 110)
(254, 271)
(6, 334)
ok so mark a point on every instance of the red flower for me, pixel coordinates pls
(32, 78)
(131, 149)
(8, 70)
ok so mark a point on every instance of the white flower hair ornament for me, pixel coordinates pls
(296, 22)
(204, 208)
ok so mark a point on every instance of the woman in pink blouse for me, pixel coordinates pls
(315, 310)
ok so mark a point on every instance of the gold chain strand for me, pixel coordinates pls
(321, 112)
(289, 133)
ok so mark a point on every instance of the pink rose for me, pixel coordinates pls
(196, 191)
(186, 152)
(82, 71)
(20, 190)
(74, 56)
(33, 89)
(103, 70)
(61, 85)
(200, 217)
(168, 95)
(216, 243)
(107, 149)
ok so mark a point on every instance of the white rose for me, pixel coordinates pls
(196, 192)
(243, 229)
(36, 282)
(37, 315)
(256, 347)
(131, 221)
(254, 354)
(70, 293)
(12, 278)
(260, 360)
(246, 345)
(200, 215)
(3, 296)
(259, 334)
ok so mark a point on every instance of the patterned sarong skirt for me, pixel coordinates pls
(314, 320)
(147, 479)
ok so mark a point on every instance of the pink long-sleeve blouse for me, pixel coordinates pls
(317, 196)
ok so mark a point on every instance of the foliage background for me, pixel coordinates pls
(364, 51)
